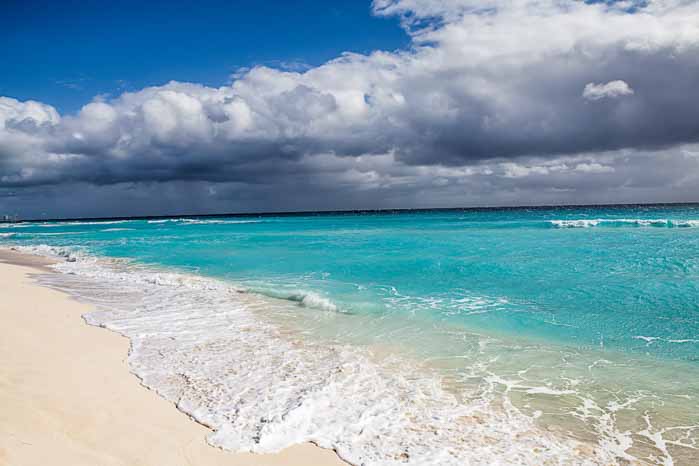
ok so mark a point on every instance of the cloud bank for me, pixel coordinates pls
(495, 102)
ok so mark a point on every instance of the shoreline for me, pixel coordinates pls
(69, 398)
(471, 425)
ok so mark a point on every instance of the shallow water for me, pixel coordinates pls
(514, 336)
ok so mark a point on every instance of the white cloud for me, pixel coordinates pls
(593, 167)
(14, 111)
(610, 90)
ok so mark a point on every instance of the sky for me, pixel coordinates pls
(156, 108)
(64, 53)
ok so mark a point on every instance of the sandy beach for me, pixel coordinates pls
(68, 397)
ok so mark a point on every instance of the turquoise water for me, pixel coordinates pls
(505, 270)
(619, 284)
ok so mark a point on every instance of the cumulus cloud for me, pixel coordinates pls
(489, 89)
(611, 90)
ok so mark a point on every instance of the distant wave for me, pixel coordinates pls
(60, 224)
(116, 229)
(79, 223)
(621, 222)
(217, 222)
(192, 221)
(58, 233)
(34, 234)
(16, 225)
(6, 235)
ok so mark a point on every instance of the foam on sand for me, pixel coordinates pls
(201, 344)
(68, 398)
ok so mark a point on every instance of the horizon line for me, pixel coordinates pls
(292, 213)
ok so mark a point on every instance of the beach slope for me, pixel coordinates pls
(68, 398)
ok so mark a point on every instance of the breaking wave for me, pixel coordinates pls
(308, 299)
(621, 222)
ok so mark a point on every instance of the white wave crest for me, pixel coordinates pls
(16, 225)
(216, 222)
(194, 221)
(620, 222)
(80, 223)
(574, 223)
(316, 301)
(686, 223)
(304, 298)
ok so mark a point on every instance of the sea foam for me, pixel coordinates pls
(621, 222)
(204, 345)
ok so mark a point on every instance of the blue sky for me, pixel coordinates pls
(64, 53)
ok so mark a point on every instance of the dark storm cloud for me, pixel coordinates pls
(494, 100)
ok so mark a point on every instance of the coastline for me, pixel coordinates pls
(177, 326)
(68, 396)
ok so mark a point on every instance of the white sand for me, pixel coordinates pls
(68, 399)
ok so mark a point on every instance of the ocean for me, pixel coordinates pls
(551, 335)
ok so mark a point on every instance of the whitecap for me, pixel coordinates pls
(583, 223)
(620, 222)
